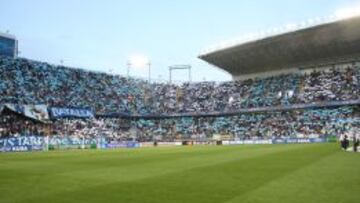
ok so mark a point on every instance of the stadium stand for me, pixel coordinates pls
(29, 82)
(294, 85)
(309, 104)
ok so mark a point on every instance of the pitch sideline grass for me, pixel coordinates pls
(253, 173)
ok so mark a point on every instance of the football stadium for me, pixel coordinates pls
(285, 128)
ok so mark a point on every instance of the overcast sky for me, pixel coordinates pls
(103, 34)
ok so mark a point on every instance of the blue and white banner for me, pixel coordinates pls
(76, 143)
(238, 142)
(22, 144)
(38, 143)
(279, 141)
(73, 141)
(298, 140)
(59, 112)
(37, 112)
(125, 144)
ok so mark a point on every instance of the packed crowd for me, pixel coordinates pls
(297, 123)
(28, 82)
(13, 125)
(305, 123)
(111, 128)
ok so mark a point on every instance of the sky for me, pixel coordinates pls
(104, 35)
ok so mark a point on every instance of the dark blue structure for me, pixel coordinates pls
(8, 46)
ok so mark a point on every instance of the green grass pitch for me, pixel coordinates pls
(253, 173)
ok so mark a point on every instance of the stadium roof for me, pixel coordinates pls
(321, 44)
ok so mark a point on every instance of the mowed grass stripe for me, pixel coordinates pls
(34, 163)
(334, 178)
(197, 174)
(64, 174)
(217, 183)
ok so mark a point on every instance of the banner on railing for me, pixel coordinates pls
(59, 112)
(298, 140)
(278, 141)
(22, 144)
(37, 112)
(38, 143)
(73, 141)
(122, 144)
